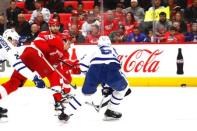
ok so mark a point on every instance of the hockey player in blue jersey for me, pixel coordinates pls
(102, 66)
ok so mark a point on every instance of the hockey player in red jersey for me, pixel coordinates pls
(57, 55)
(48, 46)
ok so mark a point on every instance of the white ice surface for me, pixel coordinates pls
(146, 109)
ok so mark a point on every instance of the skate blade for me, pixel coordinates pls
(106, 118)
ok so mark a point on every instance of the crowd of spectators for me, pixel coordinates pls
(122, 20)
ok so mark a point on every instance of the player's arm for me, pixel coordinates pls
(85, 61)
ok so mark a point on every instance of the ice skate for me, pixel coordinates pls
(112, 115)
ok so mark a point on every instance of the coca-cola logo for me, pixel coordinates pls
(141, 60)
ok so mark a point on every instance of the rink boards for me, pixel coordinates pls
(143, 64)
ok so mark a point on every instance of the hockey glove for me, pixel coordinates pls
(106, 91)
(38, 82)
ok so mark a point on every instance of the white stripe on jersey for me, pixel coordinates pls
(19, 65)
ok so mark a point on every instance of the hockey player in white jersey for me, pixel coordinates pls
(102, 66)
(8, 52)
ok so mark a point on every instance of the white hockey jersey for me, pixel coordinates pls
(9, 52)
(99, 55)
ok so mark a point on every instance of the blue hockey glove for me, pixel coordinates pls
(39, 82)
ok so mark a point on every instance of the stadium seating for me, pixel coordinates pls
(20, 5)
(64, 17)
(88, 5)
(74, 4)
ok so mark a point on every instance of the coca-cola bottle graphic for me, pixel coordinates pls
(180, 62)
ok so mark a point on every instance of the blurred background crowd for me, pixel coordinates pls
(122, 20)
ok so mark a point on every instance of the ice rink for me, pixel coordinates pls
(146, 109)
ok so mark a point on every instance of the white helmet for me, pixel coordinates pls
(104, 41)
(11, 34)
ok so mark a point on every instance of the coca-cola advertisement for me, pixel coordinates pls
(156, 60)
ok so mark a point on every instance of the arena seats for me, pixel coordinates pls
(88, 5)
(20, 4)
(74, 4)
(64, 17)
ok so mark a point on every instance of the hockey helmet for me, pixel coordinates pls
(11, 34)
(104, 41)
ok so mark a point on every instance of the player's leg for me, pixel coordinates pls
(117, 81)
(32, 59)
(16, 80)
(92, 80)
(65, 102)
(8, 87)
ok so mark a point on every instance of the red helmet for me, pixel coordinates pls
(53, 22)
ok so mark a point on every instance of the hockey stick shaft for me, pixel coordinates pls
(66, 63)
(105, 103)
(54, 69)
(101, 103)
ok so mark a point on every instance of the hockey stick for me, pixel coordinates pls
(66, 63)
(54, 69)
(96, 107)
(101, 103)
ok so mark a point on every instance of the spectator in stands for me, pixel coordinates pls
(179, 18)
(40, 9)
(177, 25)
(157, 5)
(97, 12)
(173, 8)
(75, 34)
(12, 14)
(137, 36)
(57, 17)
(74, 19)
(136, 10)
(191, 12)
(30, 5)
(2, 23)
(118, 36)
(39, 20)
(173, 36)
(94, 35)
(192, 36)
(22, 26)
(150, 36)
(118, 12)
(81, 13)
(55, 6)
(129, 23)
(86, 27)
(35, 29)
(162, 26)
(110, 24)
(182, 3)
